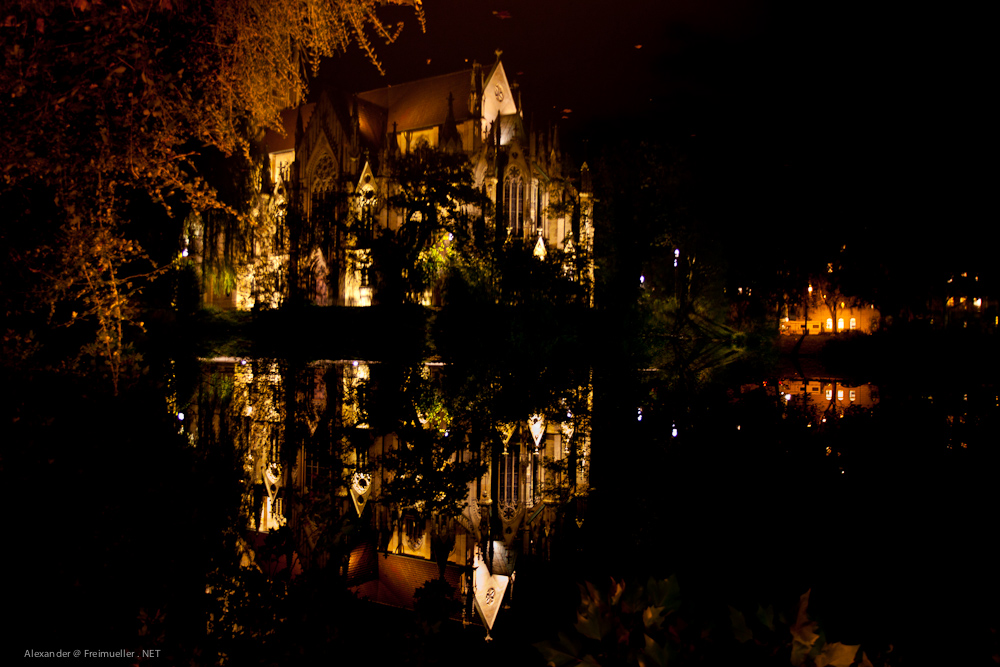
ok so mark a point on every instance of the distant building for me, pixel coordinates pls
(859, 318)
(828, 396)
(965, 302)
(822, 313)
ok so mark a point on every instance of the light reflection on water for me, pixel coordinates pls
(394, 474)
(419, 460)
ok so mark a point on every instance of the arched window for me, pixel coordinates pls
(509, 468)
(513, 201)
(366, 229)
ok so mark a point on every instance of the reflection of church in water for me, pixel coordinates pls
(344, 148)
(531, 491)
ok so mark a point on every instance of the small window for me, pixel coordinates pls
(829, 394)
(853, 394)
(854, 323)
(840, 324)
(840, 394)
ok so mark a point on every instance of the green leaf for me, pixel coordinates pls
(652, 616)
(742, 633)
(804, 634)
(766, 616)
(589, 623)
(664, 593)
(657, 653)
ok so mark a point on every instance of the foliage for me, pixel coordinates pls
(434, 603)
(432, 466)
(445, 241)
(434, 191)
(643, 624)
(108, 111)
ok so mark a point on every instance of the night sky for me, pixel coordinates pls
(830, 114)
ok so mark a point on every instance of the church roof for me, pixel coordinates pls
(372, 123)
(420, 104)
(399, 577)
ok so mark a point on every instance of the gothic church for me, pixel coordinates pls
(346, 146)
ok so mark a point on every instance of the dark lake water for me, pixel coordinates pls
(246, 504)
(753, 480)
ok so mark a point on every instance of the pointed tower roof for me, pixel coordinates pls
(450, 139)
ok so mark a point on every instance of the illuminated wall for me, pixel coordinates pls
(828, 395)
(863, 319)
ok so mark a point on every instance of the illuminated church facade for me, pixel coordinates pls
(343, 148)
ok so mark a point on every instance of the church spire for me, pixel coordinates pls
(451, 141)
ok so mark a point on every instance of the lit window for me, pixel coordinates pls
(840, 324)
(950, 302)
(840, 394)
(853, 394)
(513, 201)
(829, 324)
(977, 303)
(854, 323)
(829, 394)
(509, 464)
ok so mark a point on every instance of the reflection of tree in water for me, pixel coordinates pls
(426, 441)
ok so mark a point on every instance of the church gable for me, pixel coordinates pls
(323, 142)
(498, 98)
